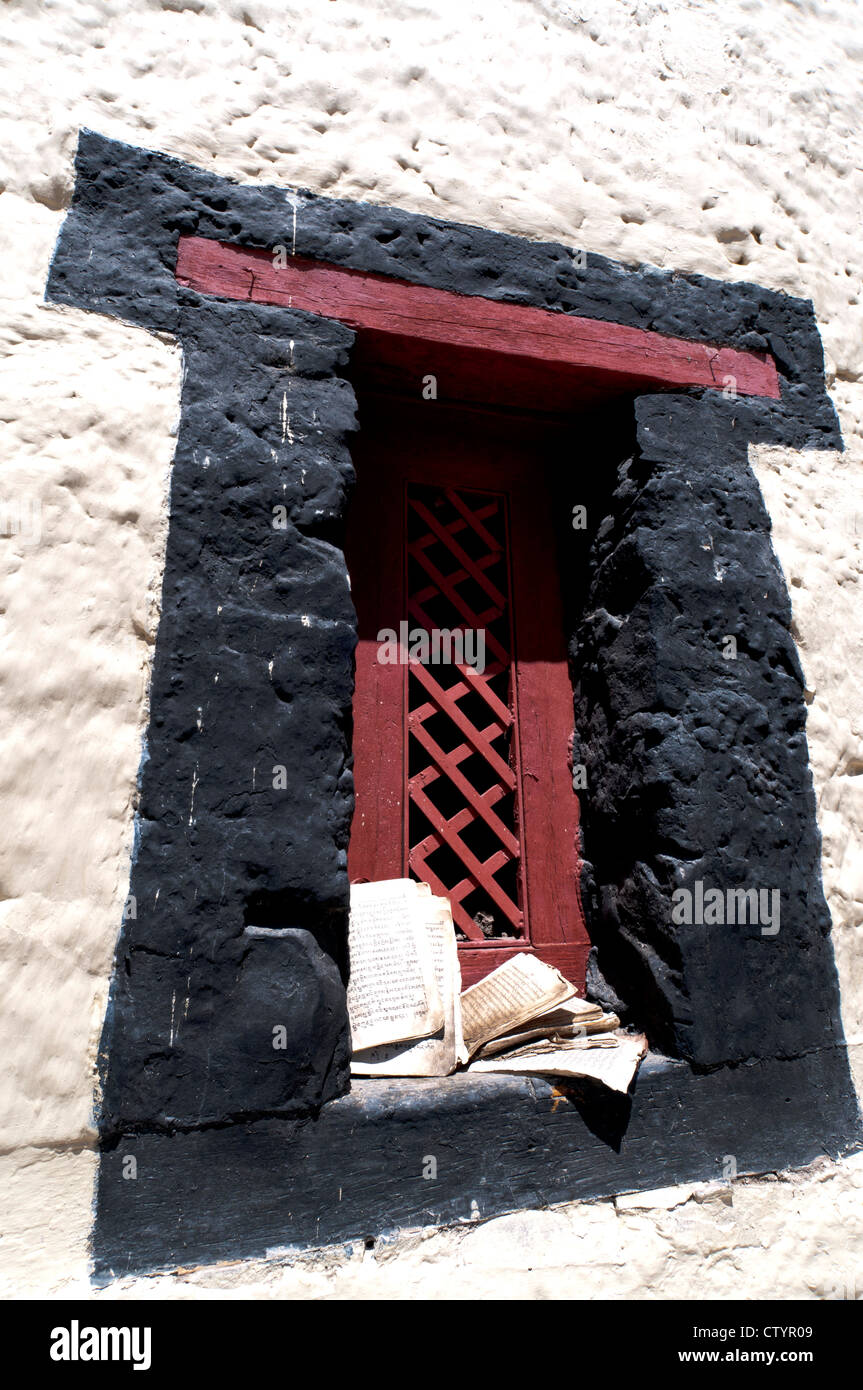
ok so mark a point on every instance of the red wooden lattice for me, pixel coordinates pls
(462, 776)
(463, 783)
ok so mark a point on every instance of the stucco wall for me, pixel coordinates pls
(720, 139)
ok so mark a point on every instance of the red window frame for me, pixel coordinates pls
(399, 445)
(496, 350)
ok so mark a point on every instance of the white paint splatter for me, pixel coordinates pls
(286, 424)
(718, 570)
(293, 202)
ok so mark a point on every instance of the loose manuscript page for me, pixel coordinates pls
(517, 991)
(393, 992)
(610, 1058)
(577, 1018)
(439, 1054)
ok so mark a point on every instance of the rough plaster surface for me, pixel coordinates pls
(617, 127)
(816, 504)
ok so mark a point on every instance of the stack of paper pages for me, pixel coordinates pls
(409, 1016)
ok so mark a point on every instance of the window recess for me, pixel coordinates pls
(462, 726)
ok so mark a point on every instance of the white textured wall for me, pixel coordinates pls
(618, 126)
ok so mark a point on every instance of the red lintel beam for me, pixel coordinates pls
(380, 304)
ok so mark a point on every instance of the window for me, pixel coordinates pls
(463, 705)
(411, 289)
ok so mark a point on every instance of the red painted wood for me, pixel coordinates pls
(482, 871)
(478, 960)
(516, 334)
(545, 716)
(401, 444)
(479, 739)
(448, 764)
(377, 844)
(447, 828)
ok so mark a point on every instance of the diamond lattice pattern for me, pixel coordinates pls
(462, 733)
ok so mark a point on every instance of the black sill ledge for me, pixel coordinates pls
(501, 1143)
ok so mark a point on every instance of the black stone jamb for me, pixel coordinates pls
(239, 881)
(697, 762)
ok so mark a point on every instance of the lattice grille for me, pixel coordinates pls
(462, 744)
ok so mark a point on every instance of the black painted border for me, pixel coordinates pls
(356, 1172)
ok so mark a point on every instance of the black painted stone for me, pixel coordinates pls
(697, 765)
(238, 876)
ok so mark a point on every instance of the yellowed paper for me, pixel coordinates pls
(514, 993)
(577, 1018)
(595, 1058)
(439, 1054)
(393, 992)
